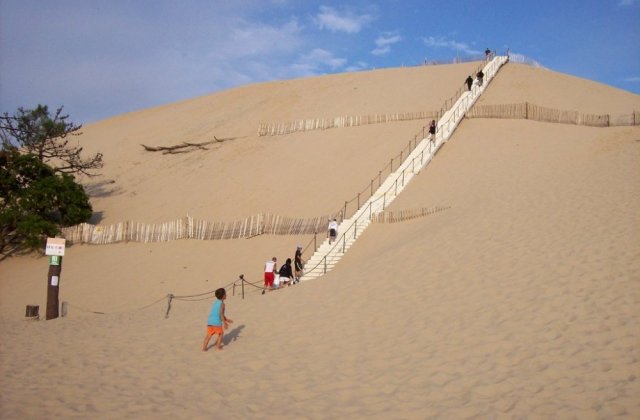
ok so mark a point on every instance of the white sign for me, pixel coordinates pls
(54, 280)
(55, 246)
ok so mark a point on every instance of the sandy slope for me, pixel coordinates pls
(304, 174)
(521, 300)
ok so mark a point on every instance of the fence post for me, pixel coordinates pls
(403, 177)
(358, 200)
(391, 165)
(344, 241)
(325, 264)
(344, 214)
(355, 229)
(315, 244)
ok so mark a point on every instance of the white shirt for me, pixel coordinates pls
(268, 266)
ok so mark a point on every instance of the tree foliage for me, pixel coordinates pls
(47, 137)
(35, 201)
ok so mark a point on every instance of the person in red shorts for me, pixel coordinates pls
(270, 273)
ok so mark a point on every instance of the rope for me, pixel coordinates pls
(116, 312)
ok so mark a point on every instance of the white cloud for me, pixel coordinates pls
(253, 38)
(443, 42)
(635, 79)
(624, 3)
(359, 66)
(523, 59)
(341, 21)
(381, 50)
(384, 43)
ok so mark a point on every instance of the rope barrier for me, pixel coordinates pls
(116, 312)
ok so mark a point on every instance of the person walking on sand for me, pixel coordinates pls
(270, 273)
(487, 54)
(217, 322)
(469, 82)
(333, 230)
(298, 264)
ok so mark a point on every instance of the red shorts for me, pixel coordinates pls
(214, 329)
(269, 277)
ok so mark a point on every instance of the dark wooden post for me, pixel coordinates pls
(33, 312)
(53, 286)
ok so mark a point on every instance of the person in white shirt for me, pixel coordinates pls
(333, 230)
(269, 273)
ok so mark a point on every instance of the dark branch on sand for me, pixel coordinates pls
(185, 147)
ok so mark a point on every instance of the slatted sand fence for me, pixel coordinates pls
(282, 128)
(406, 214)
(190, 228)
(534, 112)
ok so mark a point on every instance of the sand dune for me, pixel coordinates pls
(521, 300)
(303, 174)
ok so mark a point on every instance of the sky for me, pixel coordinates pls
(104, 58)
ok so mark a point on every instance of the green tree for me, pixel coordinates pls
(47, 136)
(35, 202)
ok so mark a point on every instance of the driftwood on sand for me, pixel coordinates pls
(185, 147)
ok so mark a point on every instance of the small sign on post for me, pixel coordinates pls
(55, 249)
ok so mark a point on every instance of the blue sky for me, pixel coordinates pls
(104, 58)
